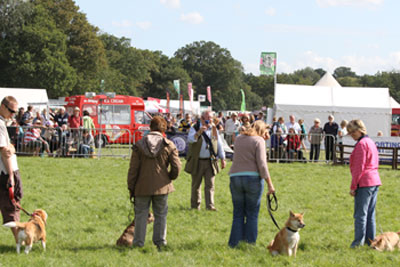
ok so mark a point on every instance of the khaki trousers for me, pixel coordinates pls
(204, 170)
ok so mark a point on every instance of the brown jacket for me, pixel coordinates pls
(148, 171)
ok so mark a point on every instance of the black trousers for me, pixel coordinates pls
(314, 152)
(329, 147)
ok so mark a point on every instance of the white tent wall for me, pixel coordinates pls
(378, 120)
(372, 105)
(35, 97)
(174, 106)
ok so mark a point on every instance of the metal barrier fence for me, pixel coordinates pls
(71, 142)
(109, 142)
(387, 155)
(301, 148)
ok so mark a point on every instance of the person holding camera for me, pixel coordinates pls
(205, 148)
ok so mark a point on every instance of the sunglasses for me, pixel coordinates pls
(9, 109)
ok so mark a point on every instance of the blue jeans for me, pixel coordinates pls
(246, 198)
(364, 215)
(85, 150)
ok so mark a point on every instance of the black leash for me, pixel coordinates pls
(272, 198)
(131, 210)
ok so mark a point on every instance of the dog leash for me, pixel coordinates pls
(270, 199)
(15, 203)
(377, 222)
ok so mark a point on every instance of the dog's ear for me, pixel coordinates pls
(302, 214)
(370, 241)
(291, 214)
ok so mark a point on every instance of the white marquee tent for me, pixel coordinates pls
(371, 105)
(35, 97)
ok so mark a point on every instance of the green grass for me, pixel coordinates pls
(87, 202)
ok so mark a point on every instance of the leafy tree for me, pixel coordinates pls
(343, 72)
(132, 65)
(210, 65)
(263, 88)
(349, 81)
(35, 56)
(169, 69)
(306, 76)
(13, 14)
(320, 71)
(85, 51)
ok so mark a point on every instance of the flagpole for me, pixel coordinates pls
(275, 76)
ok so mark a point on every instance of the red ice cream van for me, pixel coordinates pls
(122, 119)
(395, 122)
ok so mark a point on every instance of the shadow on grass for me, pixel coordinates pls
(94, 248)
(7, 249)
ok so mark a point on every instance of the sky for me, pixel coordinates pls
(361, 34)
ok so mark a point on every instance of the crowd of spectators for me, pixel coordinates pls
(52, 132)
(58, 133)
(287, 140)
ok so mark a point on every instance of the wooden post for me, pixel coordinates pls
(341, 147)
(394, 158)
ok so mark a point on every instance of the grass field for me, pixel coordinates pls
(87, 202)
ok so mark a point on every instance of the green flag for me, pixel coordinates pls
(243, 106)
(176, 86)
(268, 63)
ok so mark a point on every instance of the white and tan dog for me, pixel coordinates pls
(32, 231)
(386, 242)
(287, 239)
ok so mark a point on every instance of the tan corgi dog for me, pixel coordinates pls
(126, 239)
(386, 242)
(287, 239)
(32, 231)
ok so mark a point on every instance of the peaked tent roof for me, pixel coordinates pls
(394, 103)
(328, 80)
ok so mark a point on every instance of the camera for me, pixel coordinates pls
(207, 122)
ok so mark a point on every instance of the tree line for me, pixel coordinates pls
(50, 44)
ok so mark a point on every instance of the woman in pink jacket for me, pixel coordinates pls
(364, 162)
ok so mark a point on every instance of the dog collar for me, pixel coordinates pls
(291, 230)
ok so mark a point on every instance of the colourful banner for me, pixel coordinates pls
(268, 63)
(209, 94)
(243, 106)
(168, 99)
(190, 92)
(177, 87)
(181, 104)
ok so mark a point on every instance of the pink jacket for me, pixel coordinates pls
(364, 162)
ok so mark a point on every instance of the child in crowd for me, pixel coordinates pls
(293, 145)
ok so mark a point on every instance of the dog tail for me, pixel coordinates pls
(14, 224)
(270, 245)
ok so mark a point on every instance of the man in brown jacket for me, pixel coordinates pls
(150, 181)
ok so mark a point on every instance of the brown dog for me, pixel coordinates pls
(32, 231)
(386, 242)
(126, 239)
(287, 239)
